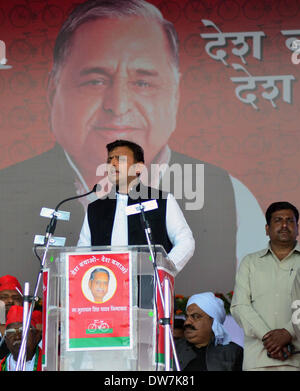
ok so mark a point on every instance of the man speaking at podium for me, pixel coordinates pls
(107, 223)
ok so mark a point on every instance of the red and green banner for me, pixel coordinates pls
(163, 274)
(45, 315)
(98, 308)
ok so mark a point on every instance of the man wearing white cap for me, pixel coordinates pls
(207, 345)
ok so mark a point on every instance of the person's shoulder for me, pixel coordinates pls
(46, 162)
(105, 199)
(148, 193)
(47, 176)
(235, 347)
(182, 343)
(180, 158)
(158, 193)
(254, 256)
(297, 248)
(96, 203)
(233, 353)
(230, 350)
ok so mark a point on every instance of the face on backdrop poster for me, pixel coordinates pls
(230, 101)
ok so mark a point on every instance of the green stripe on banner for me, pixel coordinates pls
(161, 359)
(99, 342)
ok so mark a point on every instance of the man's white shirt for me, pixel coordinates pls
(12, 364)
(177, 228)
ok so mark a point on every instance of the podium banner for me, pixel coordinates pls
(45, 316)
(99, 302)
(164, 274)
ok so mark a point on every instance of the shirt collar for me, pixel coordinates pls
(265, 251)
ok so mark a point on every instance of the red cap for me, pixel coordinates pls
(9, 283)
(15, 314)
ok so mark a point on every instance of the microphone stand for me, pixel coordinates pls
(49, 233)
(166, 320)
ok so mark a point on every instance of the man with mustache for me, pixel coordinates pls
(262, 298)
(206, 345)
(98, 284)
(10, 294)
(13, 339)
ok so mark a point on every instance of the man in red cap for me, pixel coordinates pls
(13, 339)
(10, 294)
(10, 291)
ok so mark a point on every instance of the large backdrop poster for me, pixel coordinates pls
(231, 103)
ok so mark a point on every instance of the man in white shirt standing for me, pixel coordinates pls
(262, 298)
(107, 223)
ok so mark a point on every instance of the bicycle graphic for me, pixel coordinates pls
(23, 15)
(98, 325)
(37, 44)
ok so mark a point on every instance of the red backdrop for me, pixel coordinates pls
(259, 147)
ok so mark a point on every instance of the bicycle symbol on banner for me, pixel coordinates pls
(98, 325)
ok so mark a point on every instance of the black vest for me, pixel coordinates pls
(101, 214)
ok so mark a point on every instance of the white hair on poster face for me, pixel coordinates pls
(97, 9)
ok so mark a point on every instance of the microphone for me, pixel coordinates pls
(52, 225)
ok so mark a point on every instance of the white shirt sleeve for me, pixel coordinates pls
(179, 234)
(85, 233)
